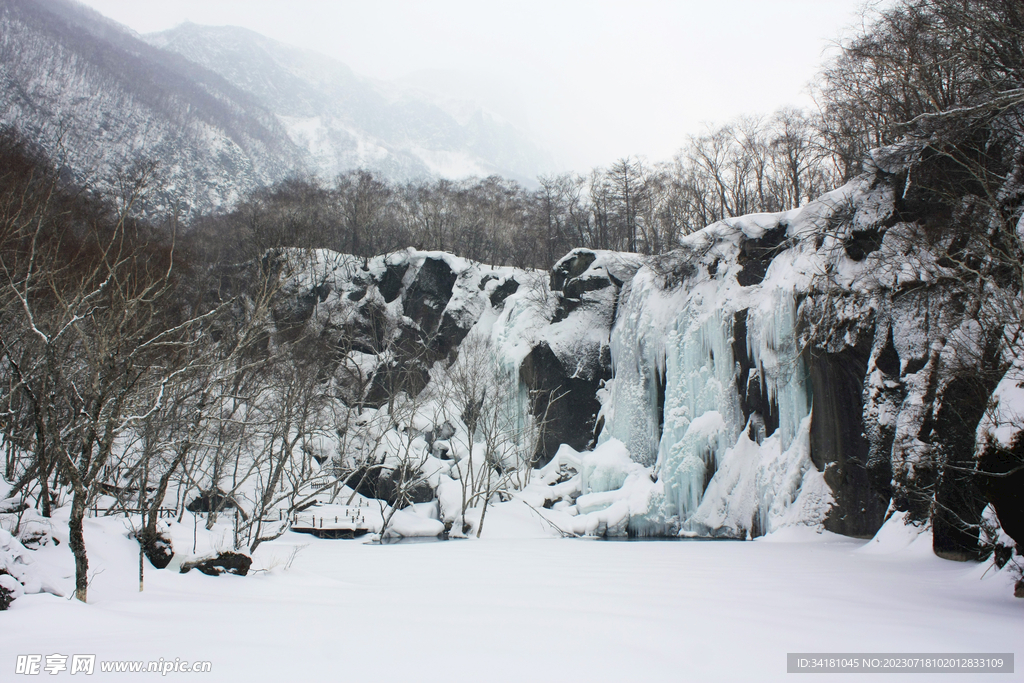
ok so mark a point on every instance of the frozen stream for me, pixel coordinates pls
(523, 610)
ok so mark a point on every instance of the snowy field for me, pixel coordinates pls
(521, 609)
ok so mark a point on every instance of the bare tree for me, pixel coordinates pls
(502, 429)
(93, 315)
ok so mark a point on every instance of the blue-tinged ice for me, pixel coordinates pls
(774, 348)
(702, 415)
(638, 356)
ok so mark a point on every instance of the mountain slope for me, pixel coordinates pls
(100, 99)
(223, 111)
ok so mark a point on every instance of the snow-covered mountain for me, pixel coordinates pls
(99, 99)
(223, 110)
(345, 121)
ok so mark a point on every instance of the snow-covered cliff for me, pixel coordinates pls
(801, 368)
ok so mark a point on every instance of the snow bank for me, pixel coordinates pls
(19, 571)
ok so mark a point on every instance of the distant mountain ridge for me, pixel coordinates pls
(223, 110)
(344, 121)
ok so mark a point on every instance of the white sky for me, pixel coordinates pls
(594, 80)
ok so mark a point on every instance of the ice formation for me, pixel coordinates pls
(674, 400)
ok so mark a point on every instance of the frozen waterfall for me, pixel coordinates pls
(674, 402)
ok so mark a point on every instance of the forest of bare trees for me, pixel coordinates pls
(752, 165)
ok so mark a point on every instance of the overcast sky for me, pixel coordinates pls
(593, 80)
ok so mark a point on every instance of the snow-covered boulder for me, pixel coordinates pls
(19, 572)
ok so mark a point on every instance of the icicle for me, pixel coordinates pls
(637, 362)
(773, 348)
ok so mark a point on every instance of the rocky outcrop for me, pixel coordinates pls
(157, 548)
(756, 254)
(398, 488)
(565, 370)
(210, 501)
(215, 565)
(838, 446)
(566, 403)
(800, 368)
(426, 297)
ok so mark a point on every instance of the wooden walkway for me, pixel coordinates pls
(334, 521)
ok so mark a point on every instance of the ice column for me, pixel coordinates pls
(637, 357)
(702, 412)
(773, 347)
(507, 348)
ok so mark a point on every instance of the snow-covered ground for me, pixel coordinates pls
(515, 608)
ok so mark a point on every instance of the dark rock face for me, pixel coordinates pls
(428, 294)
(914, 467)
(1006, 490)
(503, 291)
(863, 242)
(838, 446)
(888, 360)
(363, 481)
(575, 287)
(563, 382)
(6, 596)
(756, 255)
(409, 375)
(450, 333)
(754, 399)
(229, 562)
(923, 401)
(889, 394)
(391, 486)
(573, 280)
(959, 502)
(390, 284)
(573, 267)
(572, 414)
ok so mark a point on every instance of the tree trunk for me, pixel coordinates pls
(152, 514)
(483, 513)
(487, 499)
(77, 542)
